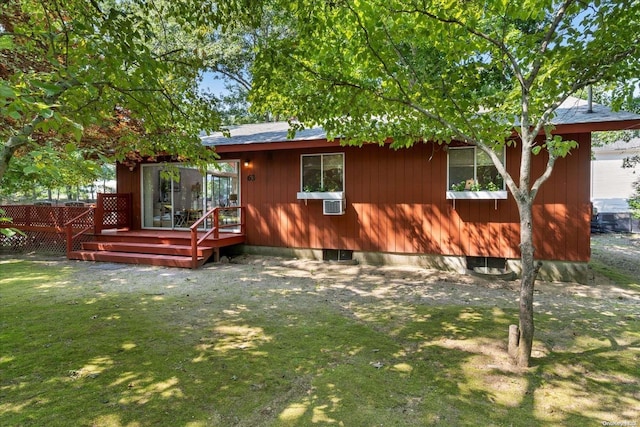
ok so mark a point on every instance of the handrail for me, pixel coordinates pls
(194, 234)
(215, 230)
(69, 229)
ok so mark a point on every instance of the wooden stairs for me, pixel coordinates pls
(159, 248)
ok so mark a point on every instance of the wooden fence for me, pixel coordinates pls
(43, 226)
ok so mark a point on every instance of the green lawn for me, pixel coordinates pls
(72, 354)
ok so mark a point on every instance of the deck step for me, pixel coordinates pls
(170, 249)
(146, 248)
(135, 258)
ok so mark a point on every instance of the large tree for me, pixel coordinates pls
(112, 76)
(473, 71)
(229, 54)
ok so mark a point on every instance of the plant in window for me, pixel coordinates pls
(476, 166)
(459, 186)
(322, 172)
(476, 186)
(492, 186)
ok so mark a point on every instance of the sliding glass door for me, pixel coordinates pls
(176, 200)
(223, 190)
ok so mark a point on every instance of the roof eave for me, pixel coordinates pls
(566, 128)
(280, 145)
(598, 126)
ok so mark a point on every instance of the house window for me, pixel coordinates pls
(472, 169)
(322, 172)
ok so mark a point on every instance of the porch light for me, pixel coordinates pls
(247, 163)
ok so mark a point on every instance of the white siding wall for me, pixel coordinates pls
(610, 181)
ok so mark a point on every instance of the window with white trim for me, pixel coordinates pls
(322, 172)
(472, 169)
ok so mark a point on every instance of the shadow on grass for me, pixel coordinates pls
(617, 276)
(276, 356)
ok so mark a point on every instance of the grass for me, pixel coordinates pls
(611, 259)
(619, 277)
(74, 354)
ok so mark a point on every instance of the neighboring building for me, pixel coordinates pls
(612, 186)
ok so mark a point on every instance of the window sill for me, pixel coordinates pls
(320, 195)
(477, 195)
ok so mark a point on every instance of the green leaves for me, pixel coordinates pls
(444, 70)
(5, 42)
(115, 75)
(556, 146)
(6, 91)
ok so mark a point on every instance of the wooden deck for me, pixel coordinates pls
(104, 233)
(168, 248)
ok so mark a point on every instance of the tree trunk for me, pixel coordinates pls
(529, 273)
(6, 153)
(16, 141)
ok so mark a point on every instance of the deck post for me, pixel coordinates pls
(27, 217)
(129, 201)
(216, 224)
(194, 248)
(99, 214)
(69, 232)
(243, 220)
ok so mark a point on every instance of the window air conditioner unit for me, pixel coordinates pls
(333, 207)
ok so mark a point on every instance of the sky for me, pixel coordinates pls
(211, 84)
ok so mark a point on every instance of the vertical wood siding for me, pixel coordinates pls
(129, 182)
(396, 203)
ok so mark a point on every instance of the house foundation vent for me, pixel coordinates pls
(489, 267)
(337, 255)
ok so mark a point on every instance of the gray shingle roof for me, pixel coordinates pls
(261, 133)
(572, 111)
(575, 111)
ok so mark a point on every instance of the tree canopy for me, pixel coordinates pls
(230, 53)
(110, 76)
(440, 70)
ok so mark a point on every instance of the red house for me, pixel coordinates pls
(430, 205)
(311, 197)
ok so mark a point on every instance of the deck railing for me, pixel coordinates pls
(234, 222)
(42, 226)
(59, 228)
(41, 217)
(63, 228)
(81, 224)
(113, 210)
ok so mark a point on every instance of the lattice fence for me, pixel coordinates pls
(43, 228)
(113, 211)
(34, 241)
(43, 216)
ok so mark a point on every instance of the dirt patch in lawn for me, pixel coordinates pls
(619, 253)
(247, 278)
(342, 336)
(244, 276)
